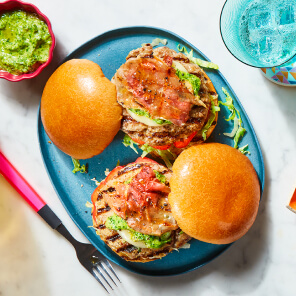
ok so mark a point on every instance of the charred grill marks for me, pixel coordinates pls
(113, 238)
(103, 210)
(101, 226)
(110, 189)
(129, 248)
(130, 168)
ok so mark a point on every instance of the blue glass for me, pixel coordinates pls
(260, 33)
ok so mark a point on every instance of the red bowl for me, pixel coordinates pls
(17, 4)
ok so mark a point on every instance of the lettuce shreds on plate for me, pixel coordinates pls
(156, 42)
(211, 119)
(199, 62)
(238, 130)
(244, 150)
(78, 167)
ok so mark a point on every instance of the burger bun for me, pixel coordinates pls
(79, 110)
(215, 193)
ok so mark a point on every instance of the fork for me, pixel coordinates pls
(87, 254)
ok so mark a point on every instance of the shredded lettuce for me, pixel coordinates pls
(199, 62)
(156, 42)
(160, 177)
(194, 80)
(235, 128)
(238, 135)
(78, 167)
(244, 150)
(211, 119)
(141, 112)
(238, 130)
(166, 155)
(127, 141)
(162, 121)
(115, 222)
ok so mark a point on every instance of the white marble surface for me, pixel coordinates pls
(35, 260)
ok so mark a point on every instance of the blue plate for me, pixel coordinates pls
(109, 51)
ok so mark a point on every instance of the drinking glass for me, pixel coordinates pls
(260, 33)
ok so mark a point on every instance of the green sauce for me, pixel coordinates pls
(24, 42)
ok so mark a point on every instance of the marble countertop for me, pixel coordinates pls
(35, 260)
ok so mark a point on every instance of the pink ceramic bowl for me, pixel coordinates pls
(17, 4)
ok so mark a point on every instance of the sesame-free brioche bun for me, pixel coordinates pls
(79, 110)
(215, 193)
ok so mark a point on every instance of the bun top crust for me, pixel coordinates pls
(215, 193)
(79, 110)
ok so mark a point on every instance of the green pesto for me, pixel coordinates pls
(160, 177)
(141, 112)
(155, 242)
(24, 42)
(194, 80)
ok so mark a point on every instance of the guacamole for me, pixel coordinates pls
(24, 42)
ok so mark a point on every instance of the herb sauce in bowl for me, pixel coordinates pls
(25, 42)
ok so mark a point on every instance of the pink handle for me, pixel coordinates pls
(20, 184)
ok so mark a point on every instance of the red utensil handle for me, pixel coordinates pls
(20, 184)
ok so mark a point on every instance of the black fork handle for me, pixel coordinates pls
(55, 223)
(50, 217)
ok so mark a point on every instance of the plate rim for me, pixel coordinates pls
(129, 31)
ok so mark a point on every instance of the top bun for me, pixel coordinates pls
(79, 110)
(215, 193)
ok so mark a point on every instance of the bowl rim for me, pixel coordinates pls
(14, 78)
(258, 67)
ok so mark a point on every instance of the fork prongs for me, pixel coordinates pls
(99, 280)
(107, 272)
(97, 269)
(111, 268)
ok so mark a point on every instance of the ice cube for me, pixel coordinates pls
(288, 34)
(270, 42)
(259, 18)
(285, 15)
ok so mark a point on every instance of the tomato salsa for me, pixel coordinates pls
(25, 42)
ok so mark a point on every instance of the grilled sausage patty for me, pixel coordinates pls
(101, 212)
(169, 133)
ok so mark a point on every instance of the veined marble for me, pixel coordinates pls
(35, 260)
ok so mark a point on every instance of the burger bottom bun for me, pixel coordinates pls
(215, 193)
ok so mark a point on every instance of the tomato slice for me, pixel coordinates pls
(164, 147)
(138, 141)
(112, 173)
(145, 159)
(94, 195)
(185, 142)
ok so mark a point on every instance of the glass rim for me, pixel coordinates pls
(257, 67)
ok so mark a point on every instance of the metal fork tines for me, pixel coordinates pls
(93, 261)
(101, 273)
